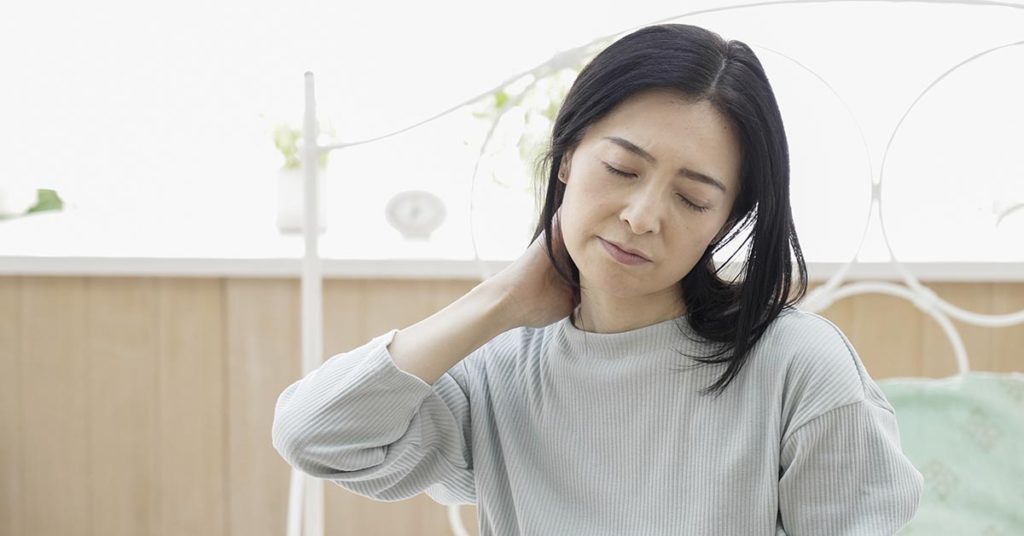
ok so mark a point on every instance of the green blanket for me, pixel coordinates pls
(966, 436)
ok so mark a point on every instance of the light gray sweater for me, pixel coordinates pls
(557, 431)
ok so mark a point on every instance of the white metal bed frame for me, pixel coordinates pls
(305, 508)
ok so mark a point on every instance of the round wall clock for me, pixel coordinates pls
(415, 213)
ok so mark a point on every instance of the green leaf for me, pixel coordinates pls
(46, 200)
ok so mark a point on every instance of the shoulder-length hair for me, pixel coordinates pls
(701, 66)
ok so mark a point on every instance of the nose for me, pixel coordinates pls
(644, 208)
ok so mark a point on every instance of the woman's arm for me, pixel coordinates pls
(437, 343)
(390, 433)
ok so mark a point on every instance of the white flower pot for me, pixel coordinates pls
(291, 200)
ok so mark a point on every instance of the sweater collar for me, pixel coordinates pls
(667, 335)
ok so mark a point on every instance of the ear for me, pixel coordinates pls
(563, 170)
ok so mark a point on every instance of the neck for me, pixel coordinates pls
(585, 320)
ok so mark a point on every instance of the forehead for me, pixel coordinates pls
(676, 131)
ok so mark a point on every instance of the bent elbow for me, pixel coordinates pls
(285, 439)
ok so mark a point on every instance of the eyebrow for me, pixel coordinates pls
(685, 172)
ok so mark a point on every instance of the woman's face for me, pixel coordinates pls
(664, 213)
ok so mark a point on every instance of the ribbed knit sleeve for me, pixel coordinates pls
(377, 430)
(844, 474)
(842, 470)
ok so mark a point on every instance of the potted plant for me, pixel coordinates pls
(291, 183)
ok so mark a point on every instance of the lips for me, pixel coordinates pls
(628, 250)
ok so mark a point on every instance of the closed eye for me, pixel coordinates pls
(621, 173)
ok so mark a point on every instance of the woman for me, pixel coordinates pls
(608, 381)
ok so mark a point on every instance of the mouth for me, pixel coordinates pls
(621, 255)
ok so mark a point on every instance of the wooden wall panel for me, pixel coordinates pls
(1008, 341)
(895, 339)
(885, 332)
(57, 418)
(144, 405)
(122, 349)
(264, 356)
(936, 356)
(11, 427)
(193, 421)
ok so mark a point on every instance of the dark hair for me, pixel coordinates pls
(699, 65)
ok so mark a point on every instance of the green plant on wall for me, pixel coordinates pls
(530, 106)
(517, 121)
(537, 97)
(286, 139)
(46, 200)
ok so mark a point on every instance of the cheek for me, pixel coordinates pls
(574, 233)
(572, 214)
(687, 257)
(590, 185)
(570, 235)
(587, 199)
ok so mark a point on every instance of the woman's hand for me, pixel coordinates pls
(533, 294)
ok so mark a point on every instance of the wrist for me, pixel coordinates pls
(494, 302)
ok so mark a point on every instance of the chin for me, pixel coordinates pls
(612, 281)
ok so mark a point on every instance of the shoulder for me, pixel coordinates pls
(821, 369)
(814, 345)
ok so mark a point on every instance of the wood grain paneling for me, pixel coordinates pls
(1008, 341)
(122, 349)
(57, 416)
(264, 356)
(145, 405)
(193, 421)
(895, 339)
(11, 394)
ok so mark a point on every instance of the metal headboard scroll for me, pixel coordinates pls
(305, 509)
